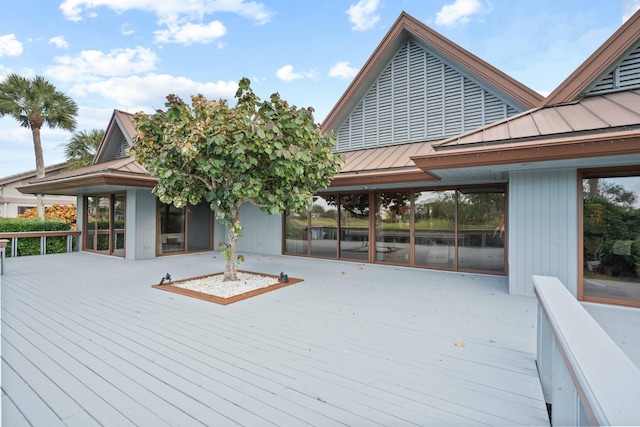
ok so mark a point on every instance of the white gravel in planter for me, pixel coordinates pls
(215, 285)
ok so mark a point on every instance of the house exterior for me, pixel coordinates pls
(14, 203)
(449, 164)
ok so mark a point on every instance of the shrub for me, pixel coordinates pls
(65, 213)
(31, 245)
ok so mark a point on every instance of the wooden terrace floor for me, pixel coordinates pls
(86, 341)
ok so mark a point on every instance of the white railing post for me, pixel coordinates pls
(585, 376)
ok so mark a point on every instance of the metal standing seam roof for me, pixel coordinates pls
(592, 114)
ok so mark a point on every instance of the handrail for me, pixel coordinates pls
(15, 236)
(585, 376)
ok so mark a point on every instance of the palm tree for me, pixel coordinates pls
(82, 147)
(34, 102)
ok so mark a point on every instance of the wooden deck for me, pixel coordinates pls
(87, 341)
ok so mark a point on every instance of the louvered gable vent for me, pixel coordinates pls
(122, 151)
(625, 76)
(418, 97)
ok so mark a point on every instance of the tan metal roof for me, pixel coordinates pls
(122, 172)
(593, 114)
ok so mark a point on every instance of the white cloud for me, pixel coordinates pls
(343, 70)
(127, 29)
(147, 92)
(59, 42)
(362, 15)
(458, 12)
(89, 64)
(170, 9)
(286, 73)
(10, 46)
(629, 7)
(191, 33)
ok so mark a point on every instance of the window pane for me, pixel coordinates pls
(354, 226)
(296, 232)
(91, 224)
(611, 239)
(171, 228)
(324, 227)
(481, 229)
(119, 211)
(435, 229)
(199, 227)
(393, 227)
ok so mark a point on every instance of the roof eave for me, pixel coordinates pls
(68, 185)
(563, 148)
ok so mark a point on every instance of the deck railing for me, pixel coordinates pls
(586, 378)
(72, 241)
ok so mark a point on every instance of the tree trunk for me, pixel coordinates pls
(37, 146)
(232, 251)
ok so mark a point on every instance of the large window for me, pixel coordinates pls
(452, 229)
(393, 227)
(611, 238)
(104, 224)
(184, 229)
(354, 226)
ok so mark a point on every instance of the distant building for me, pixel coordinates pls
(14, 203)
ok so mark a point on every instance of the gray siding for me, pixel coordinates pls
(141, 224)
(543, 231)
(419, 97)
(262, 233)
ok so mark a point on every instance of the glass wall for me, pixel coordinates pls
(452, 229)
(481, 228)
(104, 224)
(323, 230)
(354, 226)
(611, 239)
(184, 229)
(435, 229)
(393, 227)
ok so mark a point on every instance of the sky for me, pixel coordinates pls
(130, 54)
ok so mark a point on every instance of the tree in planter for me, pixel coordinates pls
(34, 103)
(267, 153)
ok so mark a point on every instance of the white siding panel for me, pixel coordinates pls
(262, 233)
(543, 235)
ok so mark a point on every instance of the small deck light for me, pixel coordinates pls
(167, 277)
(284, 278)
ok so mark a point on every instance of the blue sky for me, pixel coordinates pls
(129, 54)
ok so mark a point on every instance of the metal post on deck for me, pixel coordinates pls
(3, 247)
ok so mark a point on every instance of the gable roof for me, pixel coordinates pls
(120, 122)
(598, 64)
(567, 126)
(406, 27)
(108, 169)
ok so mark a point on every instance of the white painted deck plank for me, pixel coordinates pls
(11, 415)
(375, 344)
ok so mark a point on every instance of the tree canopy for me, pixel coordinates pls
(267, 153)
(34, 103)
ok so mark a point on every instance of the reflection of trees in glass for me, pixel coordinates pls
(483, 208)
(611, 228)
(438, 208)
(356, 205)
(393, 207)
(595, 188)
